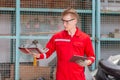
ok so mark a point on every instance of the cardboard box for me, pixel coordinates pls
(116, 35)
(31, 72)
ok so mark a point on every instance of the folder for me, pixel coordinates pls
(75, 58)
(32, 50)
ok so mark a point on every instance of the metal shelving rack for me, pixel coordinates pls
(16, 35)
(107, 46)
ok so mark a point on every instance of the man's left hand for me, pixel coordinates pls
(84, 63)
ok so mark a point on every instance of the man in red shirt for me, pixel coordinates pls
(71, 41)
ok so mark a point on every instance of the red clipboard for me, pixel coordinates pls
(74, 58)
(30, 50)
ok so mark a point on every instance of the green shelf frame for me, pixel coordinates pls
(18, 11)
(110, 39)
(43, 10)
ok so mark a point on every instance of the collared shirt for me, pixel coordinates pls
(67, 46)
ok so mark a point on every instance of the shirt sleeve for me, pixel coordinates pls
(51, 46)
(89, 51)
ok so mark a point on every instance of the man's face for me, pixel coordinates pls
(69, 22)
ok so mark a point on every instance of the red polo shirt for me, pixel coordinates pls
(67, 46)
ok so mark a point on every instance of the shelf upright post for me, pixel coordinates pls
(97, 23)
(93, 28)
(12, 41)
(17, 10)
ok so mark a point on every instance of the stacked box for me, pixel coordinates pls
(28, 72)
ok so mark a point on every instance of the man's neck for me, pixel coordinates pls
(72, 32)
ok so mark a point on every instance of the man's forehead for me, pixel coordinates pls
(67, 16)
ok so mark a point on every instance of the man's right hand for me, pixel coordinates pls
(34, 54)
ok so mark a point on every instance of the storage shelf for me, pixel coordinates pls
(6, 9)
(42, 10)
(25, 37)
(28, 37)
(110, 13)
(7, 37)
(35, 37)
(52, 10)
(110, 39)
(16, 15)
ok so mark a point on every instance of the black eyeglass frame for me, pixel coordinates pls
(67, 20)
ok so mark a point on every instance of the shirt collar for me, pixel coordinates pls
(77, 33)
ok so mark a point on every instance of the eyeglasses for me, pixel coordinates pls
(67, 21)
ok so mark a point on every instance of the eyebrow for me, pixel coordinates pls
(67, 20)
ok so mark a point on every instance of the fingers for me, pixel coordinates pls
(33, 54)
(28, 51)
(83, 63)
(80, 62)
(36, 55)
(88, 62)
